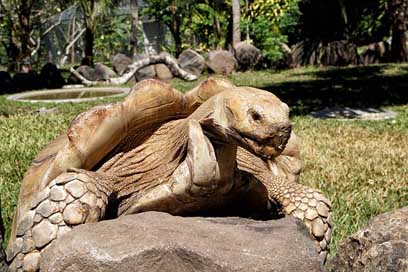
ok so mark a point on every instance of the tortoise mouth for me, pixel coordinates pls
(269, 146)
(264, 150)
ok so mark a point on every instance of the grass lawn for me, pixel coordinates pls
(361, 165)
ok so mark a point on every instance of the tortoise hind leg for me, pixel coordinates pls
(307, 204)
(71, 199)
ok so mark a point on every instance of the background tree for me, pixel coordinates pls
(133, 36)
(94, 12)
(23, 20)
(270, 23)
(173, 14)
(88, 8)
(397, 13)
(236, 20)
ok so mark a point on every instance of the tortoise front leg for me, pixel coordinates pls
(192, 181)
(71, 199)
(307, 204)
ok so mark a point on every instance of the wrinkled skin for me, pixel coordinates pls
(216, 148)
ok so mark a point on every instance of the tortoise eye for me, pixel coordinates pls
(255, 115)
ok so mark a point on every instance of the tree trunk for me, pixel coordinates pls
(343, 12)
(397, 11)
(89, 32)
(133, 37)
(24, 18)
(236, 18)
(175, 31)
(89, 40)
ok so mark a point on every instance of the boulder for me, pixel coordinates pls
(120, 62)
(6, 83)
(192, 62)
(222, 62)
(51, 76)
(27, 81)
(146, 72)
(103, 72)
(375, 53)
(163, 72)
(87, 72)
(247, 55)
(382, 245)
(154, 241)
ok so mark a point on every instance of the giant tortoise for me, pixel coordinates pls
(217, 149)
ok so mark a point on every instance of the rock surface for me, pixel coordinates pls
(87, 72)
(222, 62)
(247, 55)
(103, 72)
(192, 62)
(154, 241)
(375, 53)
(27, 81)
(145, 72)
(6, 83)
(51, 76)
(120, 62)
(382, 245)
(163, 72)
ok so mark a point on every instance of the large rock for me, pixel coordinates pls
(247, 55)
(145, 72)
(375, 53)
(103, 72)
(192, 62)
(163, 72)
(87, 72)
(27, 81)
(222, 62)
(154, 241)
(382, 245)
(120, 62)
(51, 76)
(6, 83)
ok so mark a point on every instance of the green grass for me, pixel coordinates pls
(361, 165)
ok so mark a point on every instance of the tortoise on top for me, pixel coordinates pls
(216, 148)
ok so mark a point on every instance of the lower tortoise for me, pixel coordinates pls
(218, 148)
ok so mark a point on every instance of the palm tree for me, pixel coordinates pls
(236, 18)
(133, 37)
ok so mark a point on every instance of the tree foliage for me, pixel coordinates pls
(269, 23)
(21, 22)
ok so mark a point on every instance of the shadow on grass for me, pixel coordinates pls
(369, 86)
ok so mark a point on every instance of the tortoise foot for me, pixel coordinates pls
(314, 209)
(71, 199)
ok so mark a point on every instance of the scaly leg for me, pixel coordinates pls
(71, 199)
(307, 204)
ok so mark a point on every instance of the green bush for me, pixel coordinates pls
(269, 23)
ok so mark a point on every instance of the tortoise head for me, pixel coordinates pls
(254, 119)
